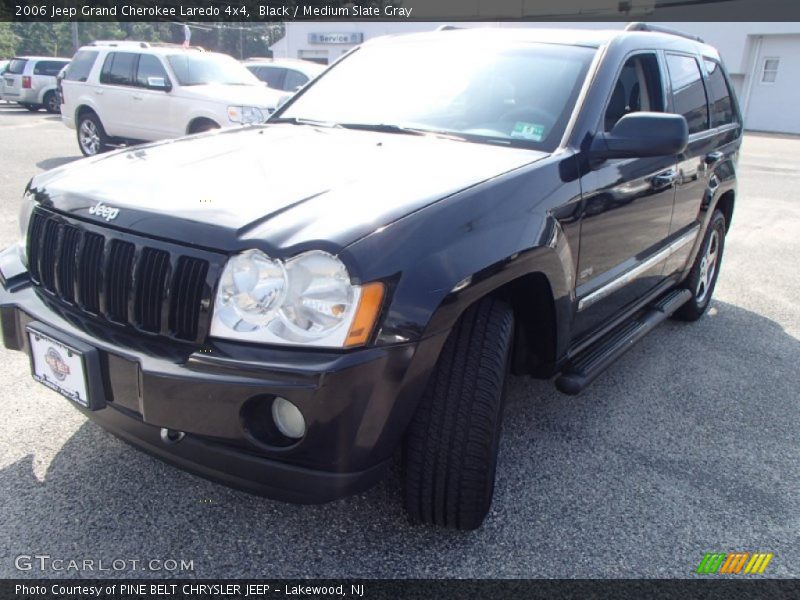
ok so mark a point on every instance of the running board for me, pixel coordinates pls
(585, 367)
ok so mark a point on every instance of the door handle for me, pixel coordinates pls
(665, 179)
(137, 97)
(98, 92)
(713, 158)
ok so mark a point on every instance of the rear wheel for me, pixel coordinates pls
(92, 138)
(703, 277)
(51, 103)
(450, 449)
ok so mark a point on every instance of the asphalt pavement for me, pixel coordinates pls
(687, 445)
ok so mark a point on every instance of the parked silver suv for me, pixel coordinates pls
(31, 82)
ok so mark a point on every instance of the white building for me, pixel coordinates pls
(762, 58)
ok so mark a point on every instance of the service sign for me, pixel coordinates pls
(335, 38)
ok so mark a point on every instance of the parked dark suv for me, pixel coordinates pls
(284, 307)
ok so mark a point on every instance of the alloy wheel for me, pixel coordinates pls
(89, 137)
(708, 267)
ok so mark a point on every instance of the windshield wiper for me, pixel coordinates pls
(302, 121)
(383, 128)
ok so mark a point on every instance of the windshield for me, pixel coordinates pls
(200, 68)
(519, 95)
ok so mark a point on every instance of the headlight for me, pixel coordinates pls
(308, 300)
(25, 212)
(246, 115)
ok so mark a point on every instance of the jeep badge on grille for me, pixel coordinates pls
(106, 212)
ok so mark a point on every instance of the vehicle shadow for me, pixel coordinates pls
(11, 110)
(676, 446)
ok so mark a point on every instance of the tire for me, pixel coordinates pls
(92, 138)
(702, 279)
(32, 107)
(51, 103)
(450, 449)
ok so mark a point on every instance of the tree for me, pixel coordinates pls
(8, 41)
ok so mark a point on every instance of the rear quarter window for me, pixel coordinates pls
(81, 65)
(16, 66)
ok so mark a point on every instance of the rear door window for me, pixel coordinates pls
(81, 65)
(50, 68)
(719, 95)
(688, 91)
(118, 68)
(16, 66)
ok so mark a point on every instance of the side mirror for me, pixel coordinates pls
(282, 100)
(642, 134)
(158, 83)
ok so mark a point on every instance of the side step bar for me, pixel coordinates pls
(599, 356)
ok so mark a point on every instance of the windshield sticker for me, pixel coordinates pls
(528, 131)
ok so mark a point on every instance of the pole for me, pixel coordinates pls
(75, 42)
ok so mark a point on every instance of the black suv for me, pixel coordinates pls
(285, 306)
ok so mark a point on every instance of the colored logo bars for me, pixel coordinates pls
(734, 563)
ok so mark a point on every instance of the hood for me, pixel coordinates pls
(280, 187)
(241, 95)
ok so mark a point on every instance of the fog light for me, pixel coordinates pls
(288, 418)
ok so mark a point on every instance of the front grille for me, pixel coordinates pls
(153, 287)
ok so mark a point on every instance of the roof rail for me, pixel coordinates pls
(168, 45)
(118, 43)
(659, 29)
(134, 44)
(448, 28)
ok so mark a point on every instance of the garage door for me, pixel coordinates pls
(775, 94)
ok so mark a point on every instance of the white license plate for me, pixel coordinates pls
(59, 367)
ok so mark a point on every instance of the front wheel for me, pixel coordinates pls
(92, 138)
(450, 449)
(702, 278)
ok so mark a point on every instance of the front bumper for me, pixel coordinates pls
(356, 404)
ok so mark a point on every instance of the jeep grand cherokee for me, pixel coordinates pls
(285, 306)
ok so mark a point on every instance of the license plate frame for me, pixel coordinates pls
(65, 365)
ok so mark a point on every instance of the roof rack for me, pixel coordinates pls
(448, 28)
(659, 29)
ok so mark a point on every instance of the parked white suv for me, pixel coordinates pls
(31, 82)
(123, 92)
